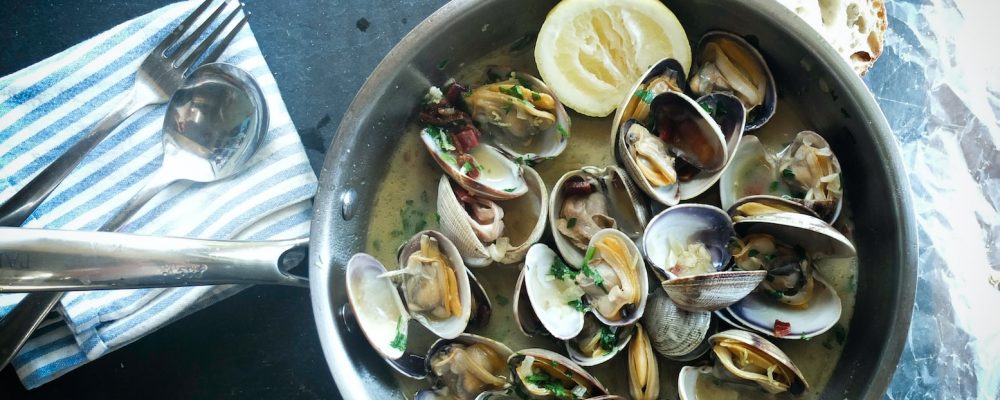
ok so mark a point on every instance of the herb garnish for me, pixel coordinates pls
(440, 138)
(775, 294)
(467, 168)
(787, 173)
(590, 272)
(774, 186)
(560, 270)
(753, 253)
(562, 131)
(514, 91)
(608, 338)
(543, 380)
(399, 342)
(709, 109)
(570, 223)
(645, 95)
(510, 190)
(578, 305)
(535, 96)
(443, 64)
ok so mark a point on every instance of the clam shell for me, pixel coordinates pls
(758, 312)
(640, 274)
(687, 381)
(762, 346)
(523, 231)
(624, 337)
(751, 171)
(779, 203)
(559, 318)
(626, 205)
(643, 372)
(500, 178)
(468, 339)
(542, 146)
(451, 327)
(813, 234)
(729, 114)
(690, 223)
(674, 333)
(525, 317)
(482, 307)
(759, 115)
(376, 304)
(828, 210)
(622, 113)
(554, 362)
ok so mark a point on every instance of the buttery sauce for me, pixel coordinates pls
(405, 204)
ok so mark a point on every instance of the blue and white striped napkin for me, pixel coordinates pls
(48, 106)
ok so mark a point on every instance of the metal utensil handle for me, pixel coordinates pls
(49, 260)
(23, 320)
(17, 209)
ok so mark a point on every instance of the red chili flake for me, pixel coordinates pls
(782, 328)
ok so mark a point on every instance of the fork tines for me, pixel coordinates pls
(178, 53)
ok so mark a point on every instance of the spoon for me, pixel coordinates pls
(213, 125)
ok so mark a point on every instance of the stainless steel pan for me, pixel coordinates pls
(803, 64)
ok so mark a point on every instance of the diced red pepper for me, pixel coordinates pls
(577, 186)
(782, 328)
(466, 139)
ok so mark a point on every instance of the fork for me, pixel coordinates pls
(159, 76)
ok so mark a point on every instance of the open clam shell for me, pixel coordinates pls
(765, 204)
(665, 75)
(687, 381)
(683, 142)
(687, 247)
(643, 371)
(806, 171)
(597, 343)
(466, 367)
(816, 236)
(621, 299)
(521, 116)
(524, 313)
(782, 375)
(759, 311)
(376, 306)
(545, 366)
(422, 286)
(516, 225)
(724, 62)
(589, 199)
(674, 333)
(499, 177)
(729, 114)
(549, 296)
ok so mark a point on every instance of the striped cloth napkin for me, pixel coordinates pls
(48, 106)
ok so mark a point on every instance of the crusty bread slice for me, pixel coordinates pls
(856, 28)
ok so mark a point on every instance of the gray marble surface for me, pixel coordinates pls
(937, 82)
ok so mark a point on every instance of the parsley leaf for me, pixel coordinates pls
(753, 253)
(608, 338)
(543, 380)
(645, 95)
(562, 131)
(399, 342)
(571, 223)
(535, 96)
(590, 272)
(513, 91)
(440, 138)
(709, 109)
(467, 168)
(578, 305)
(560, 270)
(774, 186)
(787, 173)
(510, 190)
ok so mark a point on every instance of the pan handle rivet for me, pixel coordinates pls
(347, 200)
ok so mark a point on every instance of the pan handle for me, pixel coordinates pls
(40, 260)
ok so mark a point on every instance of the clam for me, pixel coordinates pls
(805, 171)
(611, 283)
(687, 245)
(521, 116)
(643, 372)
(483, 170)
(728, 113)
(766, 204)
(542, 374)
(674, 333)
(745, 357)
(466, 367)
(590, 199)
(481, 228)
(666, 75)
(596, 342)
(793, 301)
(724, 62)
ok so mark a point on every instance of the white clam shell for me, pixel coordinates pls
(376, 304)
(454, 326)
(687, 381)
(626, 205)
(816, 236)
(758, 311)
(524, 220)
(559, 362)
(640, 266)
(731, 124)
(624, 337)
(500, 178)
(762, 346)
(759, 115)
(544, 293)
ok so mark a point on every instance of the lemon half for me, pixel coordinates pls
(591, 52)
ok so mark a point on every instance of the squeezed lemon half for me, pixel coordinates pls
(591, 52)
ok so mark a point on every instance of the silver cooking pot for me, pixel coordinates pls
(876, 186)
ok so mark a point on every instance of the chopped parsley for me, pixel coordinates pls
(510, 190)
(543, 380)
(787, 173)
(513, 91)
(562, 131)
(578, 305)
(535, 96)
(520, 160)
(467, 168)
(443, 64)
(560, 270)
(775, 294)
(708, 108)
(590, 272)
(399, 342)
(440, 138)
(377, 245)
(753, 253)
(437, 217)
(608, 338)
(570, 223)
(502, 301)
(645, 95)
(774, 186)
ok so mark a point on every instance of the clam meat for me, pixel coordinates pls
(746, 357)
(643, 372)
(610, 277)
(542, 374)
(584, 211)
(467, 370)
(789, 270)
(726, 63)
(812, 172)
